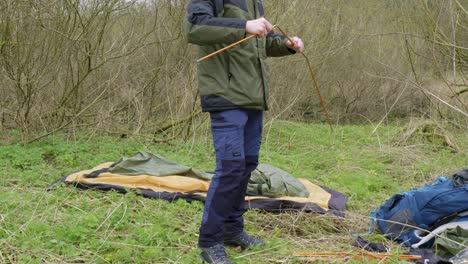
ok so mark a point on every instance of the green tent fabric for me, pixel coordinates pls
(270, 181)
(266, 180)
(150, 164)
(446, 248)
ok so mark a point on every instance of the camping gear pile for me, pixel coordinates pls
(432, 220)
(434, 217)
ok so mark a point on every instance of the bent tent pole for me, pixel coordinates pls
(312, 74)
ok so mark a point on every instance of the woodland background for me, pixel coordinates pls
(124, 67)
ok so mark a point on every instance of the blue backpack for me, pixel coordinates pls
(427, 207)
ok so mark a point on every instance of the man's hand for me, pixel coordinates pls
(297, 45)
(260, 27)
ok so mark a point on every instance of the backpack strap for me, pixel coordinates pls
(448, 219)
(371, 227)
(372, 223)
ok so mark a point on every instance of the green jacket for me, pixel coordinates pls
(237, 78)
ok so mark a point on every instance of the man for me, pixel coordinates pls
(234, 90)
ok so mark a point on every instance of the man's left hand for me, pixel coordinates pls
(297, 44)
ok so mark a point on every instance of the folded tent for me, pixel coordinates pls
(270, 188)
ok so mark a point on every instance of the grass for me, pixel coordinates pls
(68, 225)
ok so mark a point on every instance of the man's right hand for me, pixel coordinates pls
(260, 27)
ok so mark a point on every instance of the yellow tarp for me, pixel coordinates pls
(184, 184)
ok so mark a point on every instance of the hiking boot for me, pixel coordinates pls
(243, 240)
(215, 254)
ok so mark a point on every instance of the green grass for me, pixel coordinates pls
(68, 225)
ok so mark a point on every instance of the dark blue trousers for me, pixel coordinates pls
(237, 136)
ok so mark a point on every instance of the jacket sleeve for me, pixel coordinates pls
(276, 46)
(203, 27)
